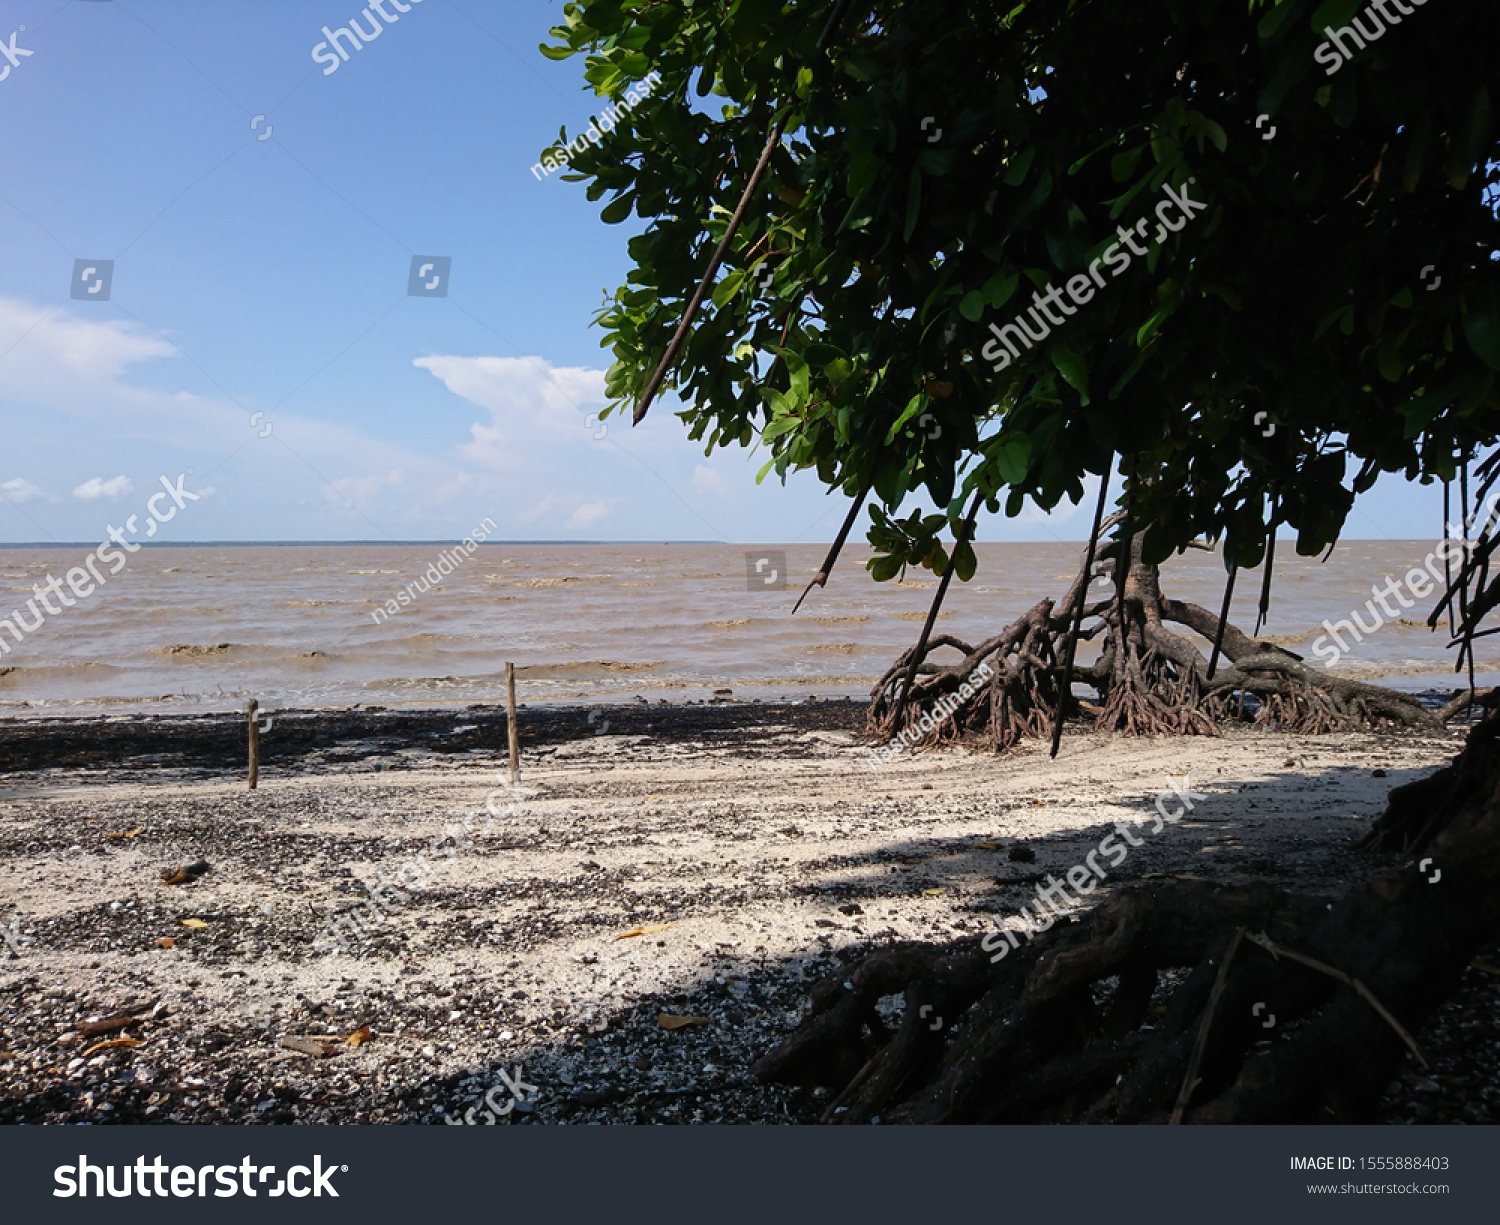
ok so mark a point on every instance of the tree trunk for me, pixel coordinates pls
(1149, 679)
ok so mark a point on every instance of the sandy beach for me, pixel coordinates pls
(754, 845)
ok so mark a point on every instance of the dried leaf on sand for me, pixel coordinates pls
(647, 930)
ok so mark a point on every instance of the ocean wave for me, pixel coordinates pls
(585, 669)
(726, 625)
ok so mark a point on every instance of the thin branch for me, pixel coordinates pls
(1265, 586)
(1213, 660)
(1348, 980)
(729, 232)
(937, 602)
(1190, 1081)
(1070, 650)
(820, 579)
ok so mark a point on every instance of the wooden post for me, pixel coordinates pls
(510, 722)
(254, 732)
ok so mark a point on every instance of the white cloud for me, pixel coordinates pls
(588, 514)
(20, 490)
(709, 480)
(536, 512)
(87, 371)
(529, 400)
(97, 487)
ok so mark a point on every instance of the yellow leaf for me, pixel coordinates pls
(1485, 966)
(110, 1045)
(934, 892)
(173, 876)
(988, 846)
(193, 923)
(648, 930)
(128, 834)
(359, 1037)
(667, 1021)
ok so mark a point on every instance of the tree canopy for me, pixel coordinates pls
(1327, 307)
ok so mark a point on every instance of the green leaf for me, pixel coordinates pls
(556, 53)
(797, 369)
(1072, 366)
(964, 562)
(778, 402)
(728, 287)
(998, 289)
(1015, 173)
(1389, 362)
(1339, 316)
(1123, 165)
(618, 210)
(972, 306)
(1013, 459)
(1482, 331)
(913, 203)
(913, 407)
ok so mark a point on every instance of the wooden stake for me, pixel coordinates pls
(254, 734)
(510, 722)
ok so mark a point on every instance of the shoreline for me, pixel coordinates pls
(748, 846)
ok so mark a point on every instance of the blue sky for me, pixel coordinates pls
(267, 274)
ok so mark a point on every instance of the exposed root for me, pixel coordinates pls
(1062, 1029)
(1149, 680)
